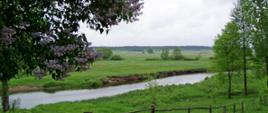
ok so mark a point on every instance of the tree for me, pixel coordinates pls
(260, 35)
(150, 51)
(228, 52)
(165, 54)
(41, 37)
(106, 53)
(241, 18)
(177, 55)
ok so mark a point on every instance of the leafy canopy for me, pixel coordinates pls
(42, 36)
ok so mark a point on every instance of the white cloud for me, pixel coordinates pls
(169, 22)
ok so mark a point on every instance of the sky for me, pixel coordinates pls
(169, 23)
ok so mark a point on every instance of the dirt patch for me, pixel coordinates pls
(134, 78)
(18, 89)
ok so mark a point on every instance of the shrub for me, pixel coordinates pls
(177, 55)
(164, 54)
(116, 57)
(106, 53)
(150, 51)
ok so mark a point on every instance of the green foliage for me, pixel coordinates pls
(132, 62)
(116, 57)
(227, 49)
(105, 52)
(208, 92)
(165, 54)
(251, 16)
(150, 51)
(41, 37)
(177, 55)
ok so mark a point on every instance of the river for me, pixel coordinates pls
(31, 99)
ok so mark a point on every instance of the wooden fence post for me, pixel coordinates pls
(242, 107)
(189, 110)
(152, 108)
(210, 109)
(224, 109)
(234, 108)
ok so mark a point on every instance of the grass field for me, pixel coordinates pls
(134, 62)
(209, 92)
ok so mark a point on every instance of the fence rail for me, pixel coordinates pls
(210, 108)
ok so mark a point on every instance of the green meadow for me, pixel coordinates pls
(133, 63)
(212, 92)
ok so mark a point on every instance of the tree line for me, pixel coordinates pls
(243, 44)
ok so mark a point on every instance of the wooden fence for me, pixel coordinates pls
(235, 108)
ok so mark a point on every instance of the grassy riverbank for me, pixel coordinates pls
(133, 63)
(209, 92)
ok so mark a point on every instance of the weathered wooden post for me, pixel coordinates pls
(242, 107)
(224, 109)
(234, 108)
(210, 109)
(189, 110)
(153, 108)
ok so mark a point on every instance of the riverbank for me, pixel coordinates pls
(32, 99)
(115, 80)
(212, 91)
(107, 73)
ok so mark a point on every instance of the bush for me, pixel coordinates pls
(164, 54)
(177, 55)
(150, 51)
(53, 84)
(191, 59)
(106, 53)
(116, 57)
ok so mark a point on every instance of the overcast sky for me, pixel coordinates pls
(169, 23)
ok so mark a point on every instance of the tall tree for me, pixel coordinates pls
(259, 11)
(241, 17)
(41, 36)
(227, 51)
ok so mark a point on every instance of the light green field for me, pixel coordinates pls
(209, 92)
(133, 63)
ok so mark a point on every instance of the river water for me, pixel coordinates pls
(32, 99)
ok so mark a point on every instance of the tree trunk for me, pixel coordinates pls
(229, 85)
(5, 96)
(245, 69)
(266, 62)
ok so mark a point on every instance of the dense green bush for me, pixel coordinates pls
(165, 54)
(106, 53)
(150, 51)
(177, 55)
(117, 57)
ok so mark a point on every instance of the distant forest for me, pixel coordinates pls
(142, 48)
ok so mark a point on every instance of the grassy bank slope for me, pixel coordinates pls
(209, 92)
(134, 62)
